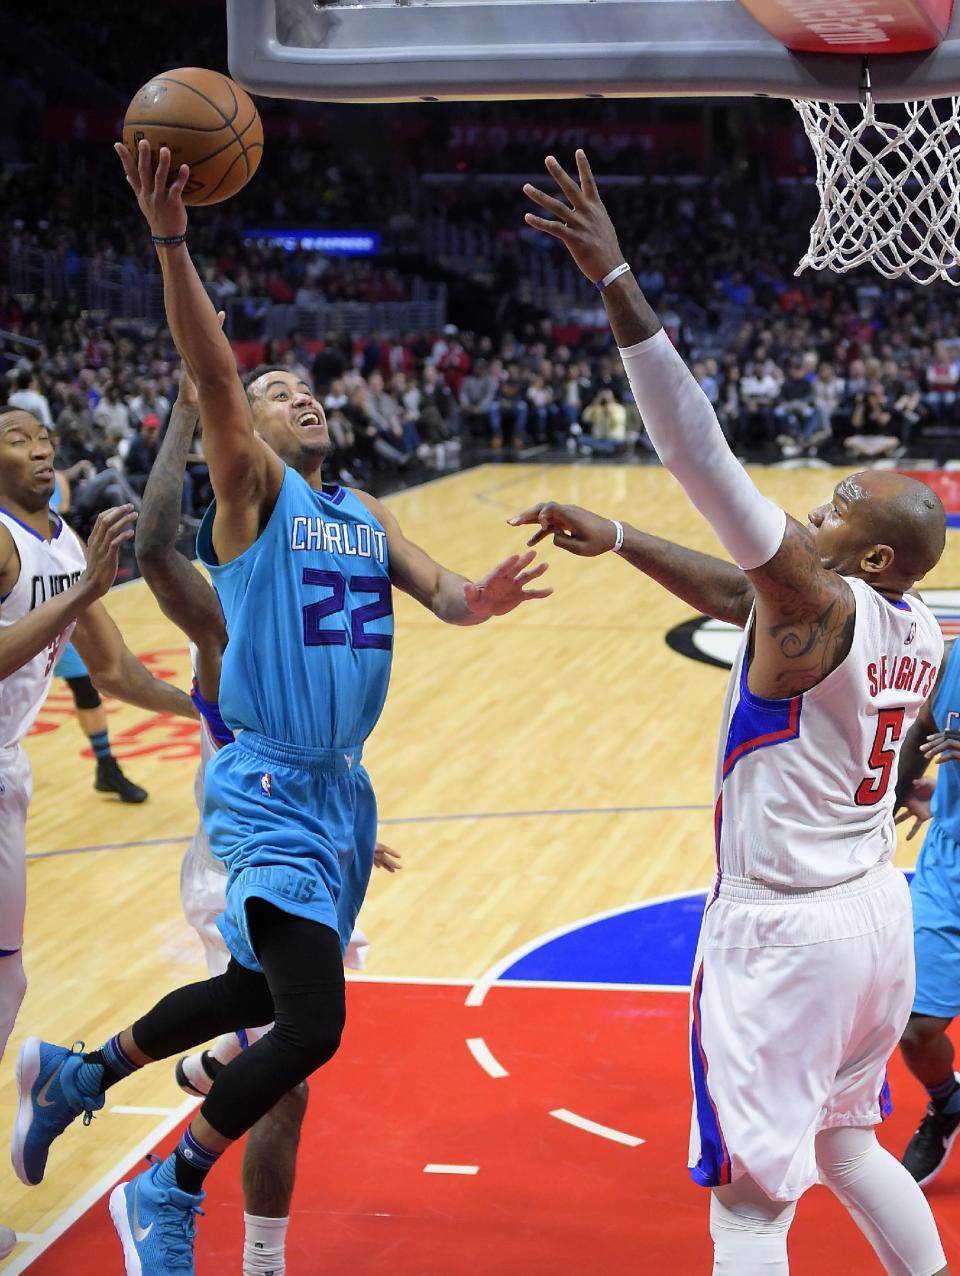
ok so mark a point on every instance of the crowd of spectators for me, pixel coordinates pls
(845, 367)
(849, 371)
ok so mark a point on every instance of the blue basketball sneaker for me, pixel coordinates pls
(47, 1101)
(156, 1224)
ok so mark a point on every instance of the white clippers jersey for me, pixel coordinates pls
(47, 568)
(805, 786)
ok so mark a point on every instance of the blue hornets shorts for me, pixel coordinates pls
(935, 891)
(296, 827)
(70, 665)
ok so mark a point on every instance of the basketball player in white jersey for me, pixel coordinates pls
(804, 976)
(48, 590)
(186, 598)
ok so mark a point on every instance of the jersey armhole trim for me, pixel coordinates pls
(205, 550)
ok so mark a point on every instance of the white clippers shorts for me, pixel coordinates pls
(798, 1001)
(16, 786)
(203, 882)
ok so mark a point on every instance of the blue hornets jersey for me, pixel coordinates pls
(309, 613)
(945, 807)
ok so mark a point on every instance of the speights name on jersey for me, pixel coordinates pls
(901, 673)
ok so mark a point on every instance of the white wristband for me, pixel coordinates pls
(613, 274)
(618, 543)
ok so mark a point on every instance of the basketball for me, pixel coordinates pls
(207, 121)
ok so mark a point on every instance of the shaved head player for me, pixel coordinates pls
(804, 975)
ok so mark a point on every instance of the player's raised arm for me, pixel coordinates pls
(452, 597)
(184, 595)
(245, 474)
(715, 587)
(804, 611)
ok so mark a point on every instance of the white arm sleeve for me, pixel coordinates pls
(684, 429)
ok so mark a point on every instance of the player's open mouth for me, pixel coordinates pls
(307, 420)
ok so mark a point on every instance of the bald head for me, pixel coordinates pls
(901, 512)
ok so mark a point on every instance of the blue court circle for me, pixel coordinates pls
(652, 943)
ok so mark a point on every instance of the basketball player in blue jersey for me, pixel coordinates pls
(304, 571)
(935, 890)
(185, 597)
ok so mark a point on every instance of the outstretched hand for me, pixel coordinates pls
(503, 589)
(113, 528)
(161, 204)
(583, 224)
(576, 530)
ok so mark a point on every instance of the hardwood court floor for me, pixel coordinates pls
(533, 771)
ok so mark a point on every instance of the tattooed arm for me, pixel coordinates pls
(804, 621)
(185, 597)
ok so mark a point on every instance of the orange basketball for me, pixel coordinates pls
(207, 121)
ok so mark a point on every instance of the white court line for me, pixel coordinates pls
(416, 981)
(484, 1056)
(571, 985)
(358, 977)
(124, 1110)
(99, 1189)
(451, 1169)
(594, 1127)
(483, 985)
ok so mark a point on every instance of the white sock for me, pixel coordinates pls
(263, 1245)
(226, 1047)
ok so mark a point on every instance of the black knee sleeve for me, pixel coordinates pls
(85, 695)
(307, 1030)
(239, 998)
(304, 968)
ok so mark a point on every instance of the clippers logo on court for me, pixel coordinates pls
(714, 642)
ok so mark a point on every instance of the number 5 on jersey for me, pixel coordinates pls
(883, 754)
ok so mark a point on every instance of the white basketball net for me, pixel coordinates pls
(889, 192)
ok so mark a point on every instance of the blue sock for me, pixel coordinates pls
(100, 743)
(103, 1068)
(946, 1096)
(188, 1166)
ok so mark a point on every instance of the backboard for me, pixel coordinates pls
(399, 50)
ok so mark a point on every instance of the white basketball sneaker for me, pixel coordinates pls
(8, 1241)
